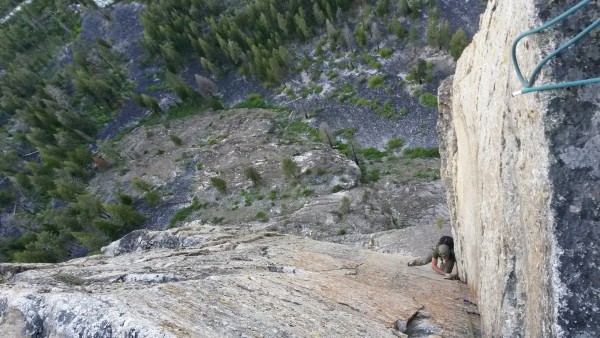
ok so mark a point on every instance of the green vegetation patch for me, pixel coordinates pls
(376, 81)
(261, 217)
(387, 111)
(395, 143)
(307, 192)
(371, 61)
(289, 167)
(253, 175)
(290, 93)
(427, 175)
(152, 197)
(219, 184)
(367, 176)
(344, 205)
(373, 154)
(458, 43)
(385, 52)
(348, 133)
(295, 131)
(420, 152)
(176, 140)
(272, 195)
(247, 198)
(183, 110)
(254, 100)
(6, 198)
(141, 185)
(428, 100)
(183, 213)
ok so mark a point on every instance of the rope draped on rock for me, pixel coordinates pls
(528, 84)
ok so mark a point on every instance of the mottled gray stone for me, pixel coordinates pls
(285, 286)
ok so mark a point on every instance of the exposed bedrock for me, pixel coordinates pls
(522, 173)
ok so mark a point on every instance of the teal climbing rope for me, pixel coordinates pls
(528, 84)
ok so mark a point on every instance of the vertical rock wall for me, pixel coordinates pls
(522, 173)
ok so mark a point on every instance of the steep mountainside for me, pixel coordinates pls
(72, 85)
(325, 196)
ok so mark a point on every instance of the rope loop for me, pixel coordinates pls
(528, 84)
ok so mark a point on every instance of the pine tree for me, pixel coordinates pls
(263, 23)
(121, 220)
(375, 34)
(364, 8)
(328, 10)
(179, 86)
(46, 247)
(301, 25)
(234, 52)
(209, 66)
(415, 7)
(282, 23)
(444, 34)
(381, 7)
(360, 35)
(432, 33)
(222, 44)
(66, 190)
(418, 72)
(413, 34)
(331, 31)
(458, 43)
(348, 40)
(339, 16)
(318, 14)
(10, 162)
(403, 8)
(173, 59)
(205, 49)
(284, 55)
(275, 68)
(334, 40)
(152, 104)
(395, 27)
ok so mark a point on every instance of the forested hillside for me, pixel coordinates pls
(60, 85)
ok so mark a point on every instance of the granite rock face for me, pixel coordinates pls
(202, 280)
(522, 173)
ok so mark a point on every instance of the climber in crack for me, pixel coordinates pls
(443, 253)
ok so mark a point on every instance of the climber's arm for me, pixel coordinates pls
(434, 267)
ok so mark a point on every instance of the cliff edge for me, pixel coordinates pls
(522, 173)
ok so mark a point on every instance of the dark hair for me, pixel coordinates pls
(446, 240)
